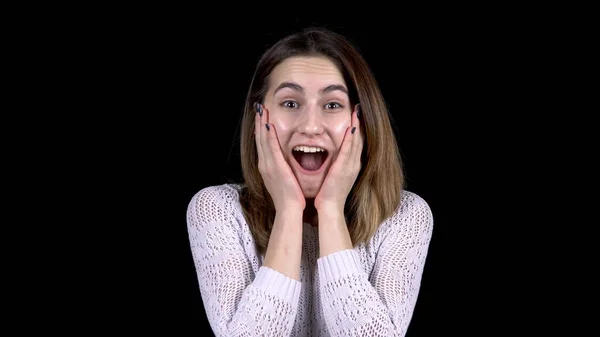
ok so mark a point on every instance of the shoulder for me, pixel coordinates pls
(215, 223)
(413, 205)
(413, 217)
(216, 202)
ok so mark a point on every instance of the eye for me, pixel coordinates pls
(290, 104)
(333, 105)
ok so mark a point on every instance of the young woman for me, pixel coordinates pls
(320, 238)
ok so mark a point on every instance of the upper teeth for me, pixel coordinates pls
(308, 149)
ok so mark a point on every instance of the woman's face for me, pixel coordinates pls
(309, 106)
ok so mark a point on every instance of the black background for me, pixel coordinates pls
(162, 114)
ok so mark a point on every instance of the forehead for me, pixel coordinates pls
(306, 70)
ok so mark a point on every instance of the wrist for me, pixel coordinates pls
(330, 211)
(290, 207)
(289, 212)
(331, 216)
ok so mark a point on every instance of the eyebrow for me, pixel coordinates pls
(297, 87)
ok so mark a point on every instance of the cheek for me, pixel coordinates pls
(282, 122)
(338, 129)
(284, 126)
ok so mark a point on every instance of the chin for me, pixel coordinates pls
(310, 185)
(310, 192)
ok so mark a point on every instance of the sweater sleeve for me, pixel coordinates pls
(380, 304)
(237, 302)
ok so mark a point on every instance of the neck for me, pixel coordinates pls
(310, 213)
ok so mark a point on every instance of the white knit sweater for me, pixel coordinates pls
(370, 290)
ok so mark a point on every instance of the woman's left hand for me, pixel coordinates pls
(344, 170)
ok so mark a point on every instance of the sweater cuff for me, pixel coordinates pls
(277, 284)
(338, 265)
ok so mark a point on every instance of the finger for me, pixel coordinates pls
(258, 135)
(273, 142)
(266, 130)
(346, 147)
(357, 141)
(351, 148)
(269, 142)
(356, 115)
(271, 138)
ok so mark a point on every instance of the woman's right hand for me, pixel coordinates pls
(276, 173)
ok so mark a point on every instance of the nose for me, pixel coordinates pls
(311, 121)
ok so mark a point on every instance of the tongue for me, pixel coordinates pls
(311, 161)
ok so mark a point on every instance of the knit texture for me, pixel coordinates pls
(370, 290)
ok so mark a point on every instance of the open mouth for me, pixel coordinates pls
(310, 158)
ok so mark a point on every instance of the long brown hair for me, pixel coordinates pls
(377, 190)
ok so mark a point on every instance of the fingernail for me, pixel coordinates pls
(353, 129)
(358, 110)
(268, 128)
(258, 108)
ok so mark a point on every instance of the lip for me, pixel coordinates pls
(312, 145)
(311, 173)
